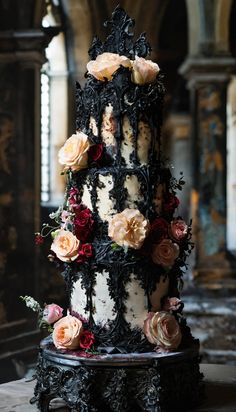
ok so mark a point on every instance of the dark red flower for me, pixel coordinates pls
(85, 252)
(159, 230)
(83, 224)
(87, 249)
(171, 202)
(73, 196)
(87, 339)
(38, 239)
(95, 151)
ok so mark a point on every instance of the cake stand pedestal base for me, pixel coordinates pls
(118, 383)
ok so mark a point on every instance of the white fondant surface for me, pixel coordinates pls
(127, 145)
(108, 126)
(143, 142)
(86, 197)
(162, 289)
(133, 188)
(79, 299)
(102, 303)
(105, 205)
(93, 126)
(136, 303)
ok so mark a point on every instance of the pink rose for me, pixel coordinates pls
(162, 329)
(106, 64)
(128, 228)
(165, 253)
(67, 332)
(171, 304)
(52, 313)
(65, 245)
(178, 229)
(144, 71)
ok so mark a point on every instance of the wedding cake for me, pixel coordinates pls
(121, 246)
(120, 241)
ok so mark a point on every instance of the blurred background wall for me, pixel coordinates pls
(43, 52)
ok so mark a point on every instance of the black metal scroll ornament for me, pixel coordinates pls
(121, 39)
(116, 383)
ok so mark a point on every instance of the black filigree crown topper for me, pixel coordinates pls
(121, 40)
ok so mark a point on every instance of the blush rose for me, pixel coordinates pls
(128, 228)
(144, 71)
(52, 313)
(67, 332)
(165, 253)
(65, 245)
(162, 329)
(74, 154)
(178, 229)
(106, 64)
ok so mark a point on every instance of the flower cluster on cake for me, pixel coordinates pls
(118, 238)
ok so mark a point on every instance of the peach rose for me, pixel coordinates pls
(128, 228)
(106, 65)
(144, 71)
(74, 153)
(52, 313)
(66, 333)
(165, 253)
(65, 245)
(178, 229)
(162, 330)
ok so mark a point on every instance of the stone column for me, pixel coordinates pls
(21, 58)
(208, 80)
(208, 69)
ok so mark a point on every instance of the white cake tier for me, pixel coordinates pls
(103, 306)
(135, 144)
(105, 199)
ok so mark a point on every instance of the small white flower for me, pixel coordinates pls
(31, 303)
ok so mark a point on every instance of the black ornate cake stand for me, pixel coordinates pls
(118, 383)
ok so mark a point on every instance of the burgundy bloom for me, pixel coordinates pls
(83, 223)
(95, 151)
(73, 196)
(38, 239)
(86, 339)
(85, 252)
(171, 202)
(159, 230)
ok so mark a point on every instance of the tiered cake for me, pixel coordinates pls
(120, 243)
(121, 209)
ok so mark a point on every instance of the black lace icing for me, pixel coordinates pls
(137, 103)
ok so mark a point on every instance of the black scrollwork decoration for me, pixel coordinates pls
(117, 383)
